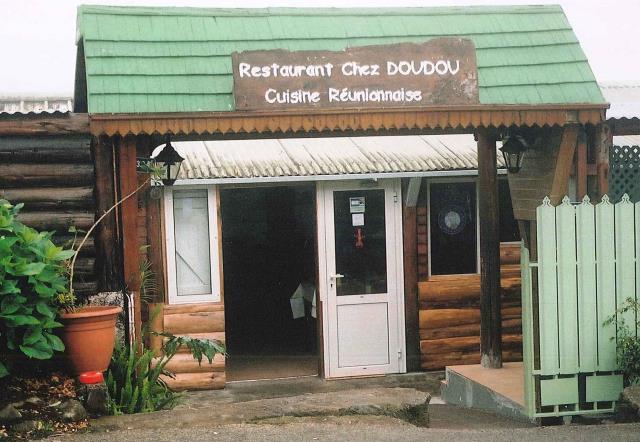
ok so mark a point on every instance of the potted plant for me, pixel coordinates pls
(89, 331)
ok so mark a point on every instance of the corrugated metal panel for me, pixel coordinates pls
(326, 156)
(142, 60)
(626, 140)
(35, 105)
(624, 99)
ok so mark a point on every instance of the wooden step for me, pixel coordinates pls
(196, 381)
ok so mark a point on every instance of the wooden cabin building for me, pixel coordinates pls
(362, 237)
(342, 202)
(268, 201)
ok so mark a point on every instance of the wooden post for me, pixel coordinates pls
(581, 166)
(107, 238)
(128, 222)
(603, 143)
(564, 164)
(490, 302)
(410, 257)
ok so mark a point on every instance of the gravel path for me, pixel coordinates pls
(367, 430)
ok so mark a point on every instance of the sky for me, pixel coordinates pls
(37, 37)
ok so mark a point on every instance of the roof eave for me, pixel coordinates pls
(257, 123)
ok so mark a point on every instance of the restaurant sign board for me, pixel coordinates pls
(438, 72)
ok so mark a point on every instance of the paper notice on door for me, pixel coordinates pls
(356, 204)
(357, 219)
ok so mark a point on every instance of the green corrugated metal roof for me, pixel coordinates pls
(143, 60)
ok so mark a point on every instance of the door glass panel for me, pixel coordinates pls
(191, 224)
(452, 209)
(361, 249)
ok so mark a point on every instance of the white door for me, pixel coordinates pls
(361, 281)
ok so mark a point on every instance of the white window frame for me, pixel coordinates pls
(214, 249)
(452, 181)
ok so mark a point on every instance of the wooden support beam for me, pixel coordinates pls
(564, 164)
(108, 264)
(490, 302)
(581, 166)
(603, 143)
(128, 216)
(155, 239)
(410, 256)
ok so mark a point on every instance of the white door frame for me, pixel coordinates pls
(322, 188)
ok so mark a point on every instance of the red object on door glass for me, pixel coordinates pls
(359, 238)
(91, 377)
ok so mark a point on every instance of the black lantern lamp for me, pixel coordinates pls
(513, 148)
(170, 161)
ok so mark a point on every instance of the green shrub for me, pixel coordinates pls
(134, 378)
(33, 273)
(627, 343)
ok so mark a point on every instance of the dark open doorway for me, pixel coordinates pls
(269, 256)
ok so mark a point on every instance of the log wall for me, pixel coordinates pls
(205, 321)
(53, 175)
(449, 324)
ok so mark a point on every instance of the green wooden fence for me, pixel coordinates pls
(588, 263)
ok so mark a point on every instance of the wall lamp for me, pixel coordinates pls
(513, 148)
(169, 160)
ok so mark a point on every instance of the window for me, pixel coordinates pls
(192, 245)
(453, 230)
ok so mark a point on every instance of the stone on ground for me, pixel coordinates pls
(632, 396)
(28, 426)
(71, 410)
(9, 414)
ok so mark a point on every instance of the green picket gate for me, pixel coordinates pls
(588, 265)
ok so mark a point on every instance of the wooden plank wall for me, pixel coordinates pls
(450, 315)
(205, 321)
(53, 175)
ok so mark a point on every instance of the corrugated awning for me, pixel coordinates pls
(626, 140)
(326, 157)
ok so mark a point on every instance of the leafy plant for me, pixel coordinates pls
(32, 275)
(627, 343)
(134, 379)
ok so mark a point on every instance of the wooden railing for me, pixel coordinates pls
(584, 265)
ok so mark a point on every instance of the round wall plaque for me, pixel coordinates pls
(452, 219)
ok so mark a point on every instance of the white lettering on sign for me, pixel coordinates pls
(441, 71)
(299, 96)
(348, 95)
(353, 68)
(424, 67)
(275, 70)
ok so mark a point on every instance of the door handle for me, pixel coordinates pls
(334, 278)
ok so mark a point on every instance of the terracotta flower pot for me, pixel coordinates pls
(89, 335)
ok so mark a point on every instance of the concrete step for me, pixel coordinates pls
(407, 404)
(456, 389)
